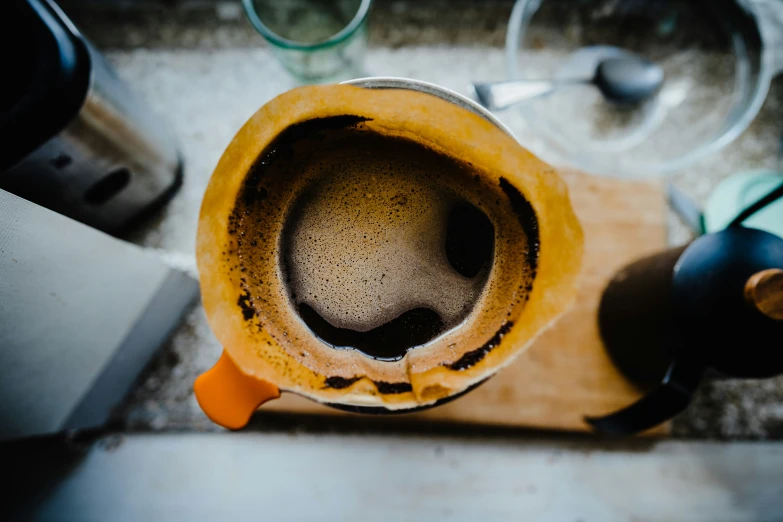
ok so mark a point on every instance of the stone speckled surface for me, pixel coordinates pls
(205, 72)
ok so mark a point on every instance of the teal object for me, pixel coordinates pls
(738, 192)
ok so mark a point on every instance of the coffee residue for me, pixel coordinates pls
(473, 357)
(527, 218)
(339, 383)
(282, 147)
(388, 342)
(470, 240)
(386, 248)
(248, 312)
(388, 388)
(347, 238)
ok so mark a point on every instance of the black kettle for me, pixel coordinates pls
(711, 308)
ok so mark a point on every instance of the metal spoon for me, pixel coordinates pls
(626, 80)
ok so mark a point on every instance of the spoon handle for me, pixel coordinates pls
(497, 96)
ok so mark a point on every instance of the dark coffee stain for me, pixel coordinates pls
(387, 342)
(253, 191)
(248, 312)
(381, 410)
(470, 240)
(473, 357)
(391, 388)
(386, 388)
(527, 218)
(339, 383)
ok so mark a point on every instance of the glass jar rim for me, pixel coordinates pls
(340, 36)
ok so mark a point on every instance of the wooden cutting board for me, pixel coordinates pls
(566, 373)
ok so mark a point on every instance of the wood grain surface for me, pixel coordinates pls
(764, 290)
(566, 373)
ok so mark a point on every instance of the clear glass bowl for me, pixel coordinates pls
(717, 74)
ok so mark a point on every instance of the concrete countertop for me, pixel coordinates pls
(326, 477)
(204, 70)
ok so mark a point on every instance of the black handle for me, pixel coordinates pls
(669, 398)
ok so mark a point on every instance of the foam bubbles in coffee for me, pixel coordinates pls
(384, 250)
(386, 244)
